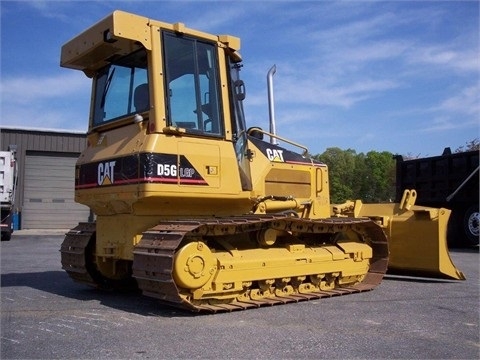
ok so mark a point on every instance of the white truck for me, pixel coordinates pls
(8, 182)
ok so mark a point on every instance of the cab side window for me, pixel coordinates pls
(192, 84)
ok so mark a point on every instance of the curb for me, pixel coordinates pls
(40, 232)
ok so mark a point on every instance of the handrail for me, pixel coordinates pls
(304, 148)
(450, 197)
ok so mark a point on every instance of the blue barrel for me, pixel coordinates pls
(15, 220)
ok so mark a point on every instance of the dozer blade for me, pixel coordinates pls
(417, 238)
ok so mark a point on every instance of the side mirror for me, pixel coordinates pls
(240, 90)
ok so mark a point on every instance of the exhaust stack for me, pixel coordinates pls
(271, 107)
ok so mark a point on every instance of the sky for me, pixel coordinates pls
(396, 76)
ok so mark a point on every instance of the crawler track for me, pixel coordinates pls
(154, 258)
(75, 256)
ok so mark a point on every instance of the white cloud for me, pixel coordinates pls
(446, 56)
(60, 101)
(354, 31)
(210, 20)
(317, 91)
(24, 89)
(465, 102)
(49, 9)
(39, 117)
(458, 112)
(374, 51)
(442, 123)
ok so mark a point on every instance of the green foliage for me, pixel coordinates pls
(370, 177)
(380, 177)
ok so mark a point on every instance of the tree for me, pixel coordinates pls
(340, 165)
(380, 177)
(469, 146)
(370, 178)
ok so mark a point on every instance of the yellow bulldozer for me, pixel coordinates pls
(202, 213)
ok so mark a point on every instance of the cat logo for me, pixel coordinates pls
(275, 155)
(106, 172)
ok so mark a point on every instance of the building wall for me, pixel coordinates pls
(39, 142)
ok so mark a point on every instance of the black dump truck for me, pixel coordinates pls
(450, 181)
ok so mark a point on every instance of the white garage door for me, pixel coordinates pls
(49, 194)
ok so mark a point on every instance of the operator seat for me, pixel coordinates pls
(141, 98)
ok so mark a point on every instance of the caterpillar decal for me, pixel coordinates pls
(275, 153)
(138, 168)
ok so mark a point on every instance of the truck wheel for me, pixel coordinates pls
(454, 230)
(471, 222)
(6, 236)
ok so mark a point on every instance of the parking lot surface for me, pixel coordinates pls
(45, 315)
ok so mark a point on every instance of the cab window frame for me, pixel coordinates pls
(193, 99)
(135, 73)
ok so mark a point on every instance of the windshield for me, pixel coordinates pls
(121, 89)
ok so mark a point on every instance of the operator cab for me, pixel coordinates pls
(178, 81)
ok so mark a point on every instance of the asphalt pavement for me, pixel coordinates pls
(45, 315)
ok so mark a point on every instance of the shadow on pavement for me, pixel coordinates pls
(407, 278)
(473, 249)
(58, 283)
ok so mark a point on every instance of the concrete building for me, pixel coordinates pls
(46, 173)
